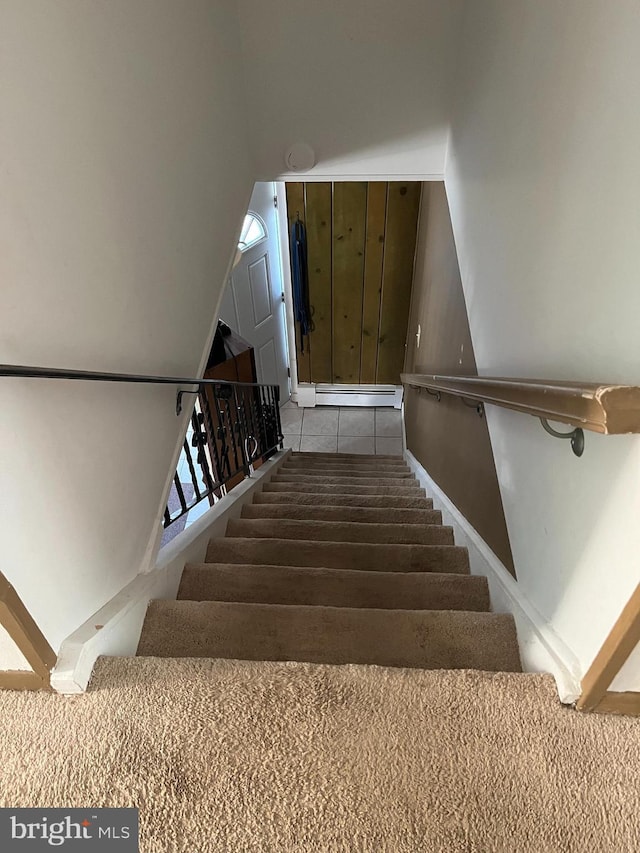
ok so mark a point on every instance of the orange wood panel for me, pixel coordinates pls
(403, 204)
(349, 217)
(373, 258)
(318, 222)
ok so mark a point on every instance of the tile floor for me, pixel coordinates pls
(329, 429)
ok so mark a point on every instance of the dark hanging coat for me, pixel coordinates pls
(301, 311)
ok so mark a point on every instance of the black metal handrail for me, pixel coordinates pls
(19, 370)
(232, 425)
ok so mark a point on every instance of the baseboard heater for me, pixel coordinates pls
(349, 395)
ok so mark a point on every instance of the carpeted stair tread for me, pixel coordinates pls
(424, 639)
(340, 555)
(361, 473)
(334, 587)
(341, 500)
(340, 531)
(324, 479)
(343, 489)
(356, 457)
(364, 515)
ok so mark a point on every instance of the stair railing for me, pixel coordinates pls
(232, 426)
(606, 409)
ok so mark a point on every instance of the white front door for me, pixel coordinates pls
(253, 303)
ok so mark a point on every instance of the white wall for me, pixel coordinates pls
(10, 655)
(365, 83)
(543, 178)
(125, 176)
(120, 620)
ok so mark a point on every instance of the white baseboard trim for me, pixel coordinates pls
(541, 649)
(115, 629)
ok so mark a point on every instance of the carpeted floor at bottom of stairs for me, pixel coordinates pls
(223, 755)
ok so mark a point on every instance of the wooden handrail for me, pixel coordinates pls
(607, 409)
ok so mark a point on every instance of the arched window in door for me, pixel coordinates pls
(253, 231)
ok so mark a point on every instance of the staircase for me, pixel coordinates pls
(340, 559)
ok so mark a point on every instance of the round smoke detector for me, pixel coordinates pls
(300, 157)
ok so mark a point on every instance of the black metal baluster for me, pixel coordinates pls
(276, 404)
(181, 497)
(270, 416)
(241, 429)
(200, 441)
(236, 429)
(254, 436)
(212, 426)
(230, 432)
(222, 434)
(268, 420)
(192, 470)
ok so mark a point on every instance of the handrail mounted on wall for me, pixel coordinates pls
(604, 408)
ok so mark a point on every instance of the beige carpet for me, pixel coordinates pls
(274, 757)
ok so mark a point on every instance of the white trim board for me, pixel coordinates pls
(115, 629)
(541, 649)
(287, 284)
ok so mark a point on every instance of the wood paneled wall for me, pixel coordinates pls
(361, 241)
(447, 437)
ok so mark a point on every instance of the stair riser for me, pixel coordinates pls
(334, 635)
(336, 500)
(343, 489)
(357, 457)
(383, 515)
(373, 474)
(342, 555)
(334, 588)
(336, 531)
(403, 483)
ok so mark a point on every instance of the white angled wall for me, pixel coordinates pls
(365, 84)
(11, 657)
(543, 179)
(124, 178)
